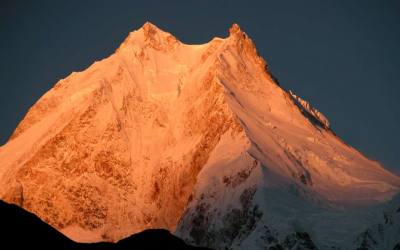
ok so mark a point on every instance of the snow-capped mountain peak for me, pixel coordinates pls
(198, 139)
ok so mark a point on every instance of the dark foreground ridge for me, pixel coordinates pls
(20, 229)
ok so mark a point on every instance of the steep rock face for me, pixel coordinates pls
(193, 138)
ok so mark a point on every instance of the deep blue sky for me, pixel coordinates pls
(342, 56)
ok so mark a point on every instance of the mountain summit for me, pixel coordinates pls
(198, 139)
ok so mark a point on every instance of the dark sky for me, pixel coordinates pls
(342, 56)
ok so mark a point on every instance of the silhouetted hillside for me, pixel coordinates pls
(20, 229)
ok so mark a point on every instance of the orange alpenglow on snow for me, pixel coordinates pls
(198, 139)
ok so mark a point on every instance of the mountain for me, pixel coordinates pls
(20, 229)
(198, 139)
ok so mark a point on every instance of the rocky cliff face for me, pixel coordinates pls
(198, 139)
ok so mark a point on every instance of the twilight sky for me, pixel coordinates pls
(342, 56)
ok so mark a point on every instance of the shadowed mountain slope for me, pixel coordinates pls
(20, 229)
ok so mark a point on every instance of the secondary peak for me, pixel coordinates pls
(235, 29)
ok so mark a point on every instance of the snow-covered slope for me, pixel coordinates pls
(198, 139)
(384, 232)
